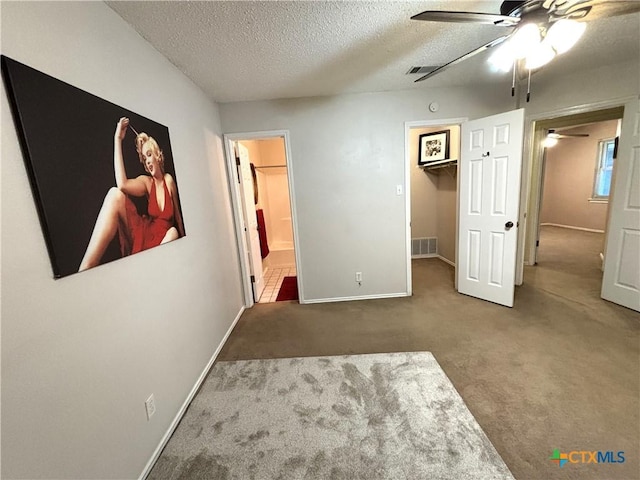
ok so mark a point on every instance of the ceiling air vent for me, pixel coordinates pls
(422, 70)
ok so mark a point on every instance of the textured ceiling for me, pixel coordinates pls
(250, 50)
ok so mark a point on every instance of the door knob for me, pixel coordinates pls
(508, 225)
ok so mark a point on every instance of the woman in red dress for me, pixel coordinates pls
(118, 213)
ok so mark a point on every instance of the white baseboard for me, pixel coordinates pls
(185, 405)
(572, 227)
(426, 255)
(349, 299)
(433, 255)
(446, 260)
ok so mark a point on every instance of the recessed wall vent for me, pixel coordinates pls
(422, 70)
(424, 247)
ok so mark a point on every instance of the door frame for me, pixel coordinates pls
(407, 188)
(531, 190)
(236, 206)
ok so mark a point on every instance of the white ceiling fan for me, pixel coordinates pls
(558, 135)
(541, 29)
(553, 136)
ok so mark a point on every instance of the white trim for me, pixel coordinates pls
(407, 184)
(294, 216)
(446, 260)
(237, 207)
(363, 297)
(187, 402)
(572, 227)
(595, 198)
(585, 108)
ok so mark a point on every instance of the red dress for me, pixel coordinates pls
(146, 231)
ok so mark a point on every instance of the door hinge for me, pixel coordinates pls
(238, 168)
(253, 279)
(537, 243)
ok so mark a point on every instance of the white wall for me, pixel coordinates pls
(80, 355)
(600, 84)
(347, 157)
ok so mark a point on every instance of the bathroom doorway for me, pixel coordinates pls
(264, 210)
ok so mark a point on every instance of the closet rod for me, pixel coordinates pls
(271, 166)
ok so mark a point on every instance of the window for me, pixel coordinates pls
(604, 169)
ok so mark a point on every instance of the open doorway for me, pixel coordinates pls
(577, 160)
(273, 210)
(263, 209)
(433, 196)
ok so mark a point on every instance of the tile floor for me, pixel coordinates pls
(273, 279)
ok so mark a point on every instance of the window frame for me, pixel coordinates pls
(600, 168)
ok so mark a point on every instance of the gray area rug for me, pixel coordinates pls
(381, 416)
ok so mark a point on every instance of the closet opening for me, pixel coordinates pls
(433, 152)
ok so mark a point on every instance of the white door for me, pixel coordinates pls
(250, 221)
(489, 169)
(621, 280)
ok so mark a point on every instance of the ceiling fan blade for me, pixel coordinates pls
(467, 17)
(555, 134)
(481, 49)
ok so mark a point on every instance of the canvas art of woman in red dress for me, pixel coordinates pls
(118, 215)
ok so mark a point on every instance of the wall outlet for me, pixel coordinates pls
(150, 406)
(358, 277)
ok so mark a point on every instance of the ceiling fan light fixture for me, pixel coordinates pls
(525, 40)
(539, 56)
(564, 34)
(553, 134)
(503, 58)
(549, 142)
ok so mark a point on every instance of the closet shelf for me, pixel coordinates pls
(441, 164)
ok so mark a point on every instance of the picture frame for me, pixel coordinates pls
(433, 147)
(68, 142)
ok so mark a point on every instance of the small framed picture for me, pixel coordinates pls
(433, 147)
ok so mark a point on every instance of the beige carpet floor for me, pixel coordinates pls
(560, 370)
